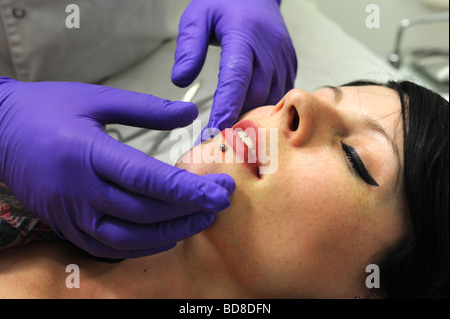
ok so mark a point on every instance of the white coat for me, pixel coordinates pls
(41, 40)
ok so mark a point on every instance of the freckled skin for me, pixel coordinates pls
(314, 223)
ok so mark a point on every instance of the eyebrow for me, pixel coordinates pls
(371, 124)
(375, 126)
(337, 92)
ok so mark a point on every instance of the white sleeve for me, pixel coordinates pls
(6, 64)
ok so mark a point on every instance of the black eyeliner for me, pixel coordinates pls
(358, 164)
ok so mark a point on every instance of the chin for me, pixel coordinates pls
(206, 158)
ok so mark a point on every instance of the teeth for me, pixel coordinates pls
(247, 140)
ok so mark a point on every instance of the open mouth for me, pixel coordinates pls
(243, 137)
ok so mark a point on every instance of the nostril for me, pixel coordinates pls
(294, 119)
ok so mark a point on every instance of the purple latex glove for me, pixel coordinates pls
(106, 197)
(258, 61)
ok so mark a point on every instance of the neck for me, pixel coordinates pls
(193, 269)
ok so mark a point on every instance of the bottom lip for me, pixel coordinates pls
(241, 150)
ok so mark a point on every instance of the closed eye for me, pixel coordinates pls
(358, 164)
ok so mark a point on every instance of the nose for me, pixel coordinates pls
(308, 118)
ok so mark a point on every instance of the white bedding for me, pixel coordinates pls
(326, 56)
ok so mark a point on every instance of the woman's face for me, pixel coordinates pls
(311, 226)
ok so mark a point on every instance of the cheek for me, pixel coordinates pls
(307, 215)
(313, 210)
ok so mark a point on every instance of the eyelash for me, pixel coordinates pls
(357, 164)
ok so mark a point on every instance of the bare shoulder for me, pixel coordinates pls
(37, 270)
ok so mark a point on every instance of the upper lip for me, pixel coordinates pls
(248, 126)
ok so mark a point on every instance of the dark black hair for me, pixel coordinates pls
(417, 266)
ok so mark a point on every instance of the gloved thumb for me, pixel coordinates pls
(111, 105)
(223, 180)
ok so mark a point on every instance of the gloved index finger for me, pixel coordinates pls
(139, 173)
(235, 75)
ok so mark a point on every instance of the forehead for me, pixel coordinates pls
(370, 100)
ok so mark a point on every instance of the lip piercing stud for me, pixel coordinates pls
(223, 147)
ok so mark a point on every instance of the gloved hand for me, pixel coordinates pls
(258, 62)
(106, 197)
